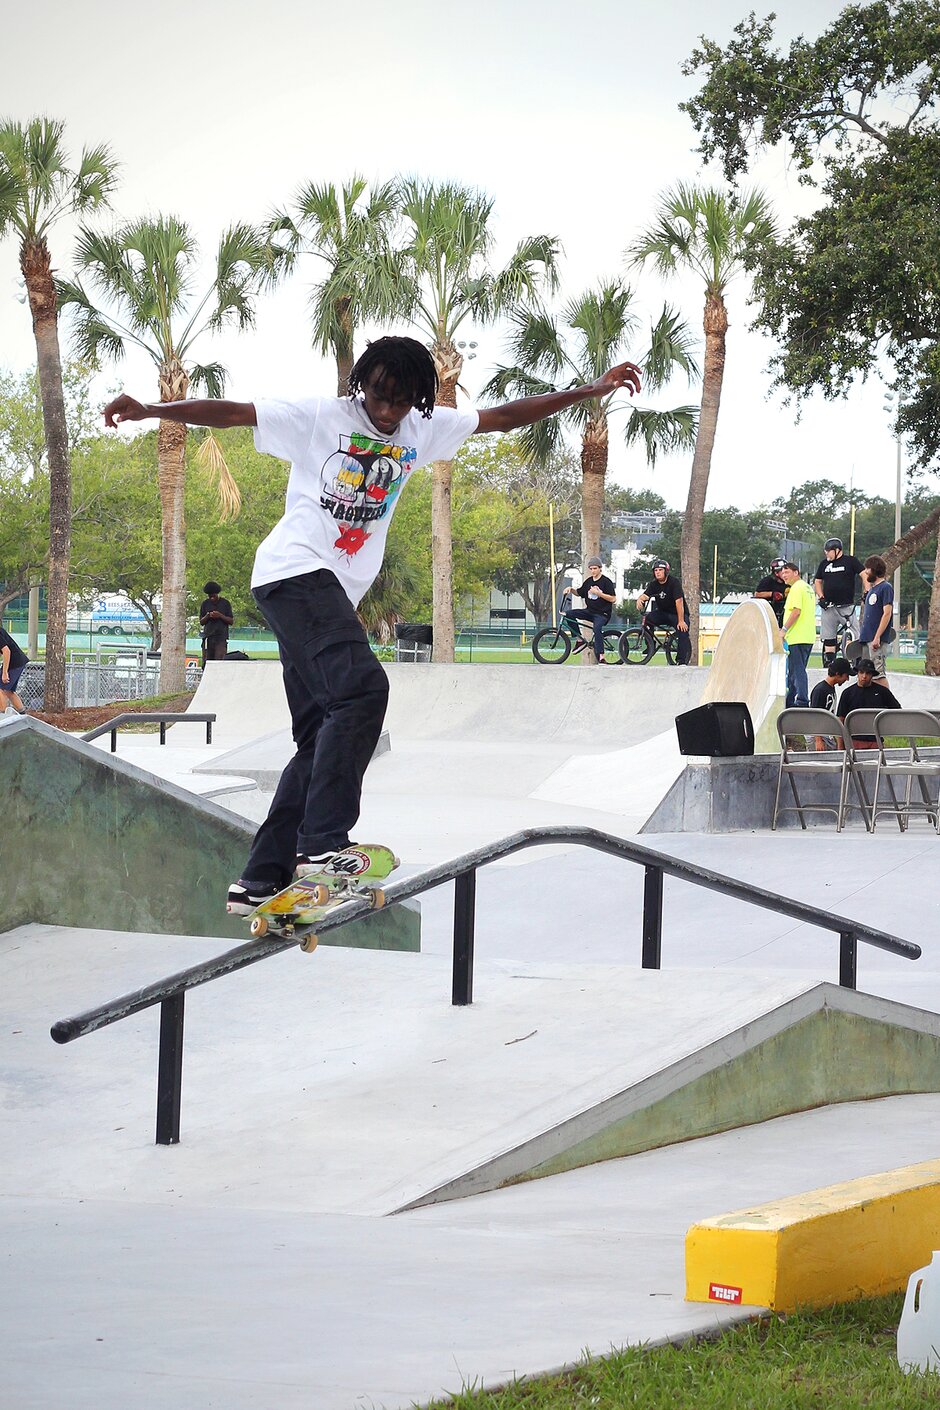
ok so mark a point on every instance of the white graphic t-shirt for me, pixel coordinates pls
(345, 480)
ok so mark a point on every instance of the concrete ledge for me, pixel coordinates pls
(859, 1239)
(92, 840)
(737, 795)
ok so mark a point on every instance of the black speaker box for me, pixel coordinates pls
(722, 729)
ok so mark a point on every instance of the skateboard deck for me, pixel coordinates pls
(296, 910)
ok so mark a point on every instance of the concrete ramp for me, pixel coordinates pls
(825, 1046)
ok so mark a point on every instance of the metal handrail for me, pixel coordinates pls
(150, 717)
(169, 992)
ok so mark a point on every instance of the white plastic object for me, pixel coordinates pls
(919, 1327)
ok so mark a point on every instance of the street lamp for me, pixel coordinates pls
(892, 407)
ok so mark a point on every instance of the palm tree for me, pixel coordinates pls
(708, 232)
(37, 187)
(351, 232)
(143, 275)
(450, 280)
(592, 335)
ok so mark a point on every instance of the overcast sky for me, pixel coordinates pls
(567, 114)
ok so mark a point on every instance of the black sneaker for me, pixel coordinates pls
(242, 900)
(342, 862)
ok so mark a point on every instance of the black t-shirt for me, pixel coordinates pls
(823, 696)
(214, 627)
(779, 588)
(663, 596)
(18, 656)
(871, 697)
(838, 579)
(597, 605)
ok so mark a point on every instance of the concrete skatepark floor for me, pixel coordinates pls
(257, 1264)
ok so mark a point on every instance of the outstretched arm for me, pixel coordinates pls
(513, 414)
(216, 413)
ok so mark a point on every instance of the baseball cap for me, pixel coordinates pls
(866, 667)
(840, 667)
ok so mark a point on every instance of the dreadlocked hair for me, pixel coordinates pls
(405, 364)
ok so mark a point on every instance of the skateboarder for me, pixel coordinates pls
(350, 459)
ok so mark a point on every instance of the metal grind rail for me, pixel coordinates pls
(169, 993)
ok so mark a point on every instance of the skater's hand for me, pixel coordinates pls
(124, 408)
(625, 374)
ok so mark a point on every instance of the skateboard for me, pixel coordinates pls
(295, 911)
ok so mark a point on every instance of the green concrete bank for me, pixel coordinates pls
(91, 840)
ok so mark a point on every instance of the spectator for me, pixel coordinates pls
(835, 589)
(877, 611)
(13, 662)
(667, 607)
(599, 596)
(799, 633)
(823, 697)
(866, 695)
(215, 618)
(773, 589)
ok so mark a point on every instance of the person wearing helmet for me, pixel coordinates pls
(836, 578)
(773, 589)
(599, 596)
(666, 602)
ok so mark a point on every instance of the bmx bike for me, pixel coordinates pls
(553, 645)
(638, 645)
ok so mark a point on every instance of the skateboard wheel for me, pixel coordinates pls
(320, 895)
(259, 927)
(309, 943)
(378, 898)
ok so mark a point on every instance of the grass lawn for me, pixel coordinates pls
(842, 1358)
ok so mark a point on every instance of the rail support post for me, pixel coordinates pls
(465, 894)
(652, 917)
(170, 1070)
(848, 959)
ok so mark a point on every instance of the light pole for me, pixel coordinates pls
(889, 406)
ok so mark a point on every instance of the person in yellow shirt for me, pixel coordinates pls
(799, 632)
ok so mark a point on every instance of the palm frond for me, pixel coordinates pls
(662, 431)
(209, 377)
(210, 458)
(95, 179)
(671, 347)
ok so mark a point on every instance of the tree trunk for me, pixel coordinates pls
(449, 363)
(594, 450)
(344, 345)
(932, 659)
(908, 544)
(716, 327)
(171, 469)
(40, 288)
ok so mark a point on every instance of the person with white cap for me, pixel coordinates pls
(599, 596)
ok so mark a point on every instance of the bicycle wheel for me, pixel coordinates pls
(670, 644)
(612, 637)
(551, 646)
(636, 647)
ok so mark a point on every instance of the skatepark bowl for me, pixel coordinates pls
(381, 1192)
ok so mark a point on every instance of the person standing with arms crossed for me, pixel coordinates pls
(799, 633)
(350, 457)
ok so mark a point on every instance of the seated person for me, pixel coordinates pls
(599, 596)
(866, 695)
(823, 697)
(667, 607)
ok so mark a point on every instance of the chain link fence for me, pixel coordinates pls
(95, 682)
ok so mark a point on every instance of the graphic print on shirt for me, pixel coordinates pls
(359, 484)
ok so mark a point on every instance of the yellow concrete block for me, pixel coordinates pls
(858, 1239)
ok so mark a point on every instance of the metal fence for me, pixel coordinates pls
(95, 682)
